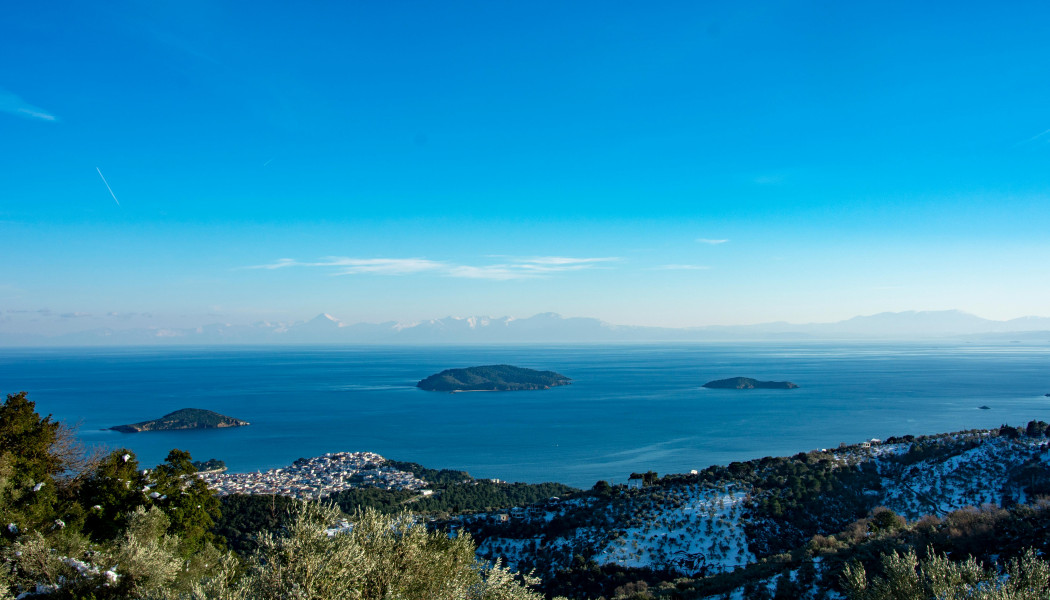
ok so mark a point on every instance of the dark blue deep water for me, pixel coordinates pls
(630, 408)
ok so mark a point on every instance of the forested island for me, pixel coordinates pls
(186, 418)
(492, 378)
(746, 383)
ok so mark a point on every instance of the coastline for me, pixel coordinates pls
(627, 410)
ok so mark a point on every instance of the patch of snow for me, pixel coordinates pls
(704, 534)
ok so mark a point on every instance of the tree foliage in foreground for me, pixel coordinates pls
(904, 577)
(111, 532)
(246, 516)
(381, 557)
(143, 562)
(28, 467)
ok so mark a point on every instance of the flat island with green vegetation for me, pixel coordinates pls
(186, 418)
(492, 378)
(746, 383)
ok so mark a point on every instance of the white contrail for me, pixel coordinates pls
(107, 185)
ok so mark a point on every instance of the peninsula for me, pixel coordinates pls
(186, 418)
(492, 378)
(746, 383)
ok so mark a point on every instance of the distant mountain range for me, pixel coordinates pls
(553, 328)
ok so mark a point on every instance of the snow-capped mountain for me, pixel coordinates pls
(551, 328)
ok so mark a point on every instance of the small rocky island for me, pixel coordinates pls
(492, 378)
(746, 383)
(186, 418)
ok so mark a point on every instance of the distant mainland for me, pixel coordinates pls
(746, 383)
(540, 328)
(186, 418)
(492, 378)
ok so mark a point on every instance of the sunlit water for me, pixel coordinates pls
(630, 408)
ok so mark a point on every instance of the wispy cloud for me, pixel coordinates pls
(509, 268)
(343, 265)
(11, 103)
(564, 260)
(1035, 137)
(541, 265)
(683, 267)
(279, 264)
(385, 266)
(711, 241)
(497, 272)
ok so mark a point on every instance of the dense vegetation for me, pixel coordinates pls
(827, 522)
(245, 518)
(99, 527)
(471, 496)
(937, 577)
(492, 378)
(437, 477)
(997, 540)
(882, 544)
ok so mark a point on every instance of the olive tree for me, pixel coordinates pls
(378, 557)
(904, 577)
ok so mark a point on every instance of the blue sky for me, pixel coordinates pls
(680, 164)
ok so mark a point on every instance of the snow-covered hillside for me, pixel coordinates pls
(981, 472)
(692, 526)
(695, 530)
(690, 529)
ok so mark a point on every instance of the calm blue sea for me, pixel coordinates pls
(630, 408)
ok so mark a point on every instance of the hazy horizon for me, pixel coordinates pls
(917, 326)
(687, 165)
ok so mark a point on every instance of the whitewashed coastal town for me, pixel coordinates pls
(312, 478)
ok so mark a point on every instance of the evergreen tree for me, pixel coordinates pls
(28, 494)
(111, 494)
(185, 498)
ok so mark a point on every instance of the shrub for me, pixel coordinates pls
(381, 556)
(1027, 578)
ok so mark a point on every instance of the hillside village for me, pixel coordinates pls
(314, 478)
